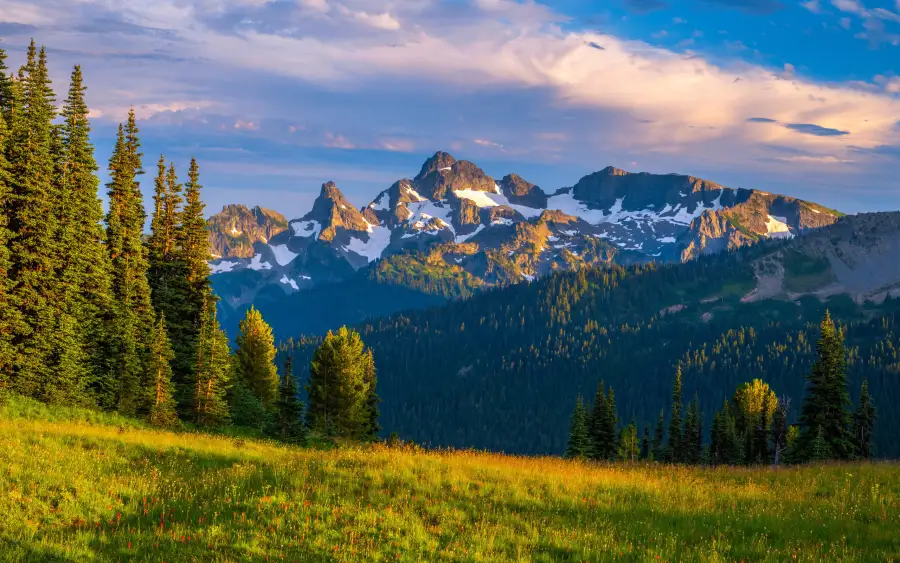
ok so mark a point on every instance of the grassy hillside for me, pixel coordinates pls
(82, 487)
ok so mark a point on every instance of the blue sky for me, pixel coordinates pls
(274, 97)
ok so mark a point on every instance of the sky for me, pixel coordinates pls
(275, 97)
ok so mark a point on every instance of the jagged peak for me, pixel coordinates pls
(613, 171)
(441, 160)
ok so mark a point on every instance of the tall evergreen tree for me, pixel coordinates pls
(161, 392)
(645, 444)
(825, 407)
(213, 370)
(864, 422)
(35, 245)
(611, 426)
(133, 311)
(255, 358)
(598, 443)
(169, 285)
(9, 314)
(658, 450)
(779, 431)
(579, 441)
(288, 420)
(373, 412)
(761, 451)
(6, 87)
(340, 382)
(84, 264)
(674, 450)
(195, 238)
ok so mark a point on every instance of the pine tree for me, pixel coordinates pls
(825, 406)
(161, 397)
(194, 238)
(658, 450)
(864, 422)
(674, 451)
(213, 370)
(819, 450)
(340, 381)
(629, 446)
(761, 452)
(255, 357)
(6, 88)
(169, 285)
(373, 413)
(598, 442)
(611, 427)
(288, 420)
(645, 444)
(84, 263)
(133, 312)
(779, 431)
(35, 245)
(578, 432)
(10, 321)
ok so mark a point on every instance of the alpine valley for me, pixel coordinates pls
(453, 230)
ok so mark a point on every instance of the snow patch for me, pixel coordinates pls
(282, 255)
(223, 267)
(776, 227)
(445, 168)
(382, 203)
(464, 238)
(666, 240)
(306, 229)
(502, 221)
(258, 264)
(495, 198)
(287, 281)
(379, 240)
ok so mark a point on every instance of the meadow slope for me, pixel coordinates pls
(81, 487)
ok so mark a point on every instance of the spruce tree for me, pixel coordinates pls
(35, 244)
(819, 449)
(373, 413)
(579, 441)
(864, 422)
(825, 407)
(255, 357)
(212, 371)
(6, 87)
(658, 450)
(10, 320)
(761, 451)
(133, 312)
(645, 444)
(779, 432)
(161, 392)
(288, 420)
(598, 446)
(84, 262)
(611, 427)
(340, 382)
(674, 450)
(169, 285)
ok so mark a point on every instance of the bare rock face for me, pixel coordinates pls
(522, 192)
(234, 230)
(442, 174)
(332, 211)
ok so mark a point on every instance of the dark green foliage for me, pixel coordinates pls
(84, 263)
(212, 370)
(658, 450)
(692, 446)
(287, 422)
(160, 391)
(33, 222)
(825, 406)
(761, 451)
(645, 444)
(603, 426)
(779, 431)
(579, 440)
(864, 422)
(675, 447)
(629, 444)
(254, 358)
(373, 412)
(818, 448)
(10, 320)
(133, 312)
(6, 87)
(340, 387)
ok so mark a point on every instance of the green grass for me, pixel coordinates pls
(73, 489)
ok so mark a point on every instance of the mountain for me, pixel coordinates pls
(453, 229)
(501, 370)
(235, 231)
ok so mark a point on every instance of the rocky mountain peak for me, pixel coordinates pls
(442, 174)
(441, 161)
(235, 230)
(522, 192)
(332, 211)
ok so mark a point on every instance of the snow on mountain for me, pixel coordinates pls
(458, 214)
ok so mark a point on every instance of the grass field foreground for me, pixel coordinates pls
(81, 487)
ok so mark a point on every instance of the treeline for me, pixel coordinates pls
(499, 370)
(93, 314)
(750, 429)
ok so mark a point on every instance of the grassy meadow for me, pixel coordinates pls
(76, 486)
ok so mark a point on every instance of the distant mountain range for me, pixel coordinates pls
(453, 229)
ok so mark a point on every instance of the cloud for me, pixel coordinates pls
(813, 6)
(817, 130)
(335, 141)
(815, 159)
(761, 120)
(750, 6)
(246, 125)
(851, 7)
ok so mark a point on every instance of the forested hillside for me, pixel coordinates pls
(501, 370)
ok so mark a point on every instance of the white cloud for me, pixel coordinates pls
(380, 21)
(813, 6)
(851, 7)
